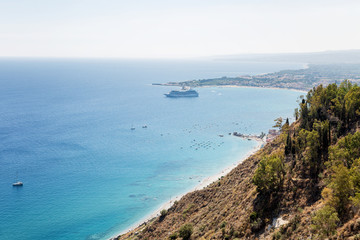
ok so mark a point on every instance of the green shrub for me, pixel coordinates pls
(325, 221)
(222, 225)
(163, 213)
(186, 231)
(236, 234)
(256, 225)
(173, 236)
(253, 216)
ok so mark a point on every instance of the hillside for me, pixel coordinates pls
(305, 184)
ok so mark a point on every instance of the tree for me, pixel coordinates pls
(346, 150)
(325, 221)
(287, 121)
(341, 187)
(309, 144)
(355, 175)
(286, 127)
(288, 145)
(186, 231)
(352, 103)
(269, 175)
(304, 115)
(296, 113)
(356, 202)
(278, 123)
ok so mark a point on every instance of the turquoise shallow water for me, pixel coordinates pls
(65, 131)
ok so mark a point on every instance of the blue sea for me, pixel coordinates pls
(65, 133)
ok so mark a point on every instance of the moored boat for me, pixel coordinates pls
(17, 184)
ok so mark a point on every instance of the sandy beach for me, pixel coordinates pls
(204, 183)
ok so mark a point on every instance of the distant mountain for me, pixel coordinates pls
(326, 57)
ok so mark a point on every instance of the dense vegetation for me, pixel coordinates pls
(329, 114)
(324, 150)
(309, 175)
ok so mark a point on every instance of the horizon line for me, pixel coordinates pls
(175, 57)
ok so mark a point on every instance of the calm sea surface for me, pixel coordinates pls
(65, 132)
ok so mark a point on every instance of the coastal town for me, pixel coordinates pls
(301, 79)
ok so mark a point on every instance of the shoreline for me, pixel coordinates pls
(274, 88)
(204, 183)
(235, 86)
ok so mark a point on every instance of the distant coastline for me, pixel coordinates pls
(239, 86)
(299, 80)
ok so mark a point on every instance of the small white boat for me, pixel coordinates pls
(17, 184)
(145, 126)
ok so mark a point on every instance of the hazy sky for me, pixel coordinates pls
(175, 28)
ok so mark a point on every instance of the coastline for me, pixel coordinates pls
(237, 86)
(204, 183)
(274, 88)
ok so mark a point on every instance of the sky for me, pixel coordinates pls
(175, 28)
